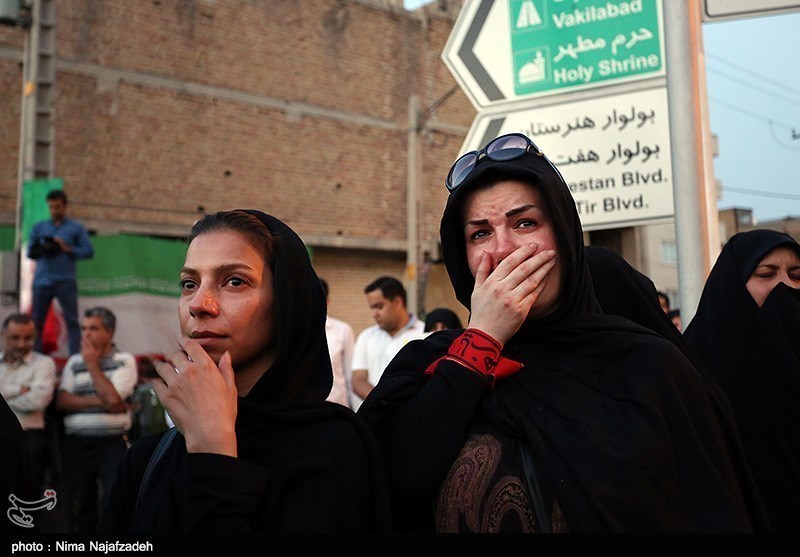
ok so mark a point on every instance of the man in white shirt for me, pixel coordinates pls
(377, 345)
(340, 345)
(95, 393)
(27, 383)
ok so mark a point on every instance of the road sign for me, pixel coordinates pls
(503, 51)
(715, 10)
(613, 151)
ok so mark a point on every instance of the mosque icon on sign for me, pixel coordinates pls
(531, 67)
(533, 71)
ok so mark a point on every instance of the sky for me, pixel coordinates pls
(753, 81)
(753, 73)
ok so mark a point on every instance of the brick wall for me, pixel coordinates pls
(166, 109)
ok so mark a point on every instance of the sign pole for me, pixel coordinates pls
(412, 185)
(682, 29)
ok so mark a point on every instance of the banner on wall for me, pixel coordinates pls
(136, 277)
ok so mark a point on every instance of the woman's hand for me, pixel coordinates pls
(504, 294)
(200, 397)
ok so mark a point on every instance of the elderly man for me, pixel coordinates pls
(27, 383)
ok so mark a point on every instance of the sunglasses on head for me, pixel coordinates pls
(504, 148)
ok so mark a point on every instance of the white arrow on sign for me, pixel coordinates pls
(503, 51)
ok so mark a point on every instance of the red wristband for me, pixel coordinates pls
(480, 353)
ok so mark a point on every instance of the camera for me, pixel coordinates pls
(44, 246)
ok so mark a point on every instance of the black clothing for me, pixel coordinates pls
(91, 466)
(623, 290)
(619, 426)
(442, 315)
(14, 477)
(753, 354)
(305, 465)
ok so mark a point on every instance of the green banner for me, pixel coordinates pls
(126, 264)
(34, 203)
(7, 238)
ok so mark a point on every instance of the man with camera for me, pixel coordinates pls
(56, 245)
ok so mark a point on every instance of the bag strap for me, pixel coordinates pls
(161, 448)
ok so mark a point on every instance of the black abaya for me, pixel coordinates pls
(620, 427)
(753, 354)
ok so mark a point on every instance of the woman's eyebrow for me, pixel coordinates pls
(477, 222)
(522, 209)
(224, 268)
(511, 213)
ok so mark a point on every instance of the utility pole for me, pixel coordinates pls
(36, 133)
(412, 209)
(37, 136)
(695, 221)
(416, 125)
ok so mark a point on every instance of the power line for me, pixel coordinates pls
(779, 142)
(762, 193)
(772, 123)
(750, 113)
(751, 86)
(751, 72)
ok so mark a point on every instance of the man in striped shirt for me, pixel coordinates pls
(95, 391)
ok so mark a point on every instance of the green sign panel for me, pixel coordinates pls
(560, 44)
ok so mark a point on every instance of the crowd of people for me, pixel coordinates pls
(570, 400)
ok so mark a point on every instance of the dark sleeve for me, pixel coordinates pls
(421, 423)
(319, 482)
(222, 493)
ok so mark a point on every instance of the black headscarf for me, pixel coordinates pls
(576, 289)
(442, 315)
(623, 290)
(318, 465)
(617, 420)
(302, 369)
(753, 353)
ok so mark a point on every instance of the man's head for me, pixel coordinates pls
(19, 332)
(57, 203)
(386, 298)
(97, 328)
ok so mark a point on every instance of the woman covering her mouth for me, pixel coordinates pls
(257, 446)
(546, 415)
(747, 332)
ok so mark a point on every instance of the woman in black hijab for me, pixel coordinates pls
(747, 333)
(258, 449)
(623, 290)
(544, 414)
